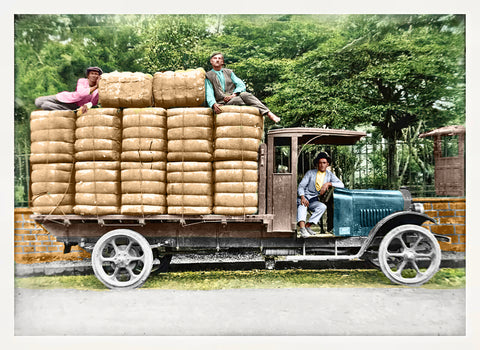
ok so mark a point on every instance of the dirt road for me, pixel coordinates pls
(312, 311)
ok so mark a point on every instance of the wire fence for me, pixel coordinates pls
(360, 166)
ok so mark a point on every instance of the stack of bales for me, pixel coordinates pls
(238, 133)
(189, 166)
(52, 161)
(125, 89)
(97, 167)
(144, 158)
(179, 88)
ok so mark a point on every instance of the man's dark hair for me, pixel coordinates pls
(322, 155)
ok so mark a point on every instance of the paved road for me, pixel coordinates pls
(309, 311)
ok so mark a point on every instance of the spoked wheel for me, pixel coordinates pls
(122, 259)
(409, 255)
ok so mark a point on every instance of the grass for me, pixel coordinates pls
(210, 280)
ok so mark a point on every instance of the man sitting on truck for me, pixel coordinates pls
(85, 96)
(223, 87)
(315, 183)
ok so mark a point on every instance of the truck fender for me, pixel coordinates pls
(391, 221)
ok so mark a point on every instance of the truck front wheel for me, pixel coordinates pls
(409, 255)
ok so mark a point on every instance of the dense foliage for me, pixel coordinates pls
(393, 75)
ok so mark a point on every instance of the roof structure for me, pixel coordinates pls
(319, 135)
(446, 130)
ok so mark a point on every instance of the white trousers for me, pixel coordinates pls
(317, 209)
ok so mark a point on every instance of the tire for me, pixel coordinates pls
(122, 259)
(405, 247)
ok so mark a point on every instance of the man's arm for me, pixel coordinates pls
(209, 94)
(239, 84)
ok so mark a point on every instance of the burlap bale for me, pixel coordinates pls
(100, 117)
(239, 115)
(145, 132)
(64, 135)
(54, 166)
(51, 158)
(189, 210)
(95, 210)
(189, 156)
(97, 199)
(189, 117)
(189, 166)
(54, 210)
(236, 175)
(97, 165)
(235, 187)
(46, 120)
(190, 200)
(143, 175)
(154, 187)
(145, 116)
(231, 154)
(143, 156)
(125, 90)
(144, 144)
(234, 211)
(190, 176)
(188, 146)
(52, 175)
(237, 143)
(105, 187)
(190, 188)
(55, 199)
(52, 188)
(236, 199)
(195, 132)
(51, 147)
(235, 164)
(179, 88)
(239, 131)
(98, 132)
(83, 145)
(143, 209)
(144, 199)
(89, 146)
(141, 165)
(97, 175)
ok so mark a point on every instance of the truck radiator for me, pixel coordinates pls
(369, 217)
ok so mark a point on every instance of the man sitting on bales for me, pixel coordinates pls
(85, 96)
(223, 87)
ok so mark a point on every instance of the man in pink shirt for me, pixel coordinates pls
(87, 91)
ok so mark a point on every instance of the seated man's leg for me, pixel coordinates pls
(50, 103)
(317, 208)
(302, 212)
(250, 100)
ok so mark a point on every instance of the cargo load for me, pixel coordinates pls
(97, 166)
(144, 158)
(179, 89)
(52, 135)
(189, 166)
(125, 90)
(238, 134)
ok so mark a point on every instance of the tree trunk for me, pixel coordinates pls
(392, 175)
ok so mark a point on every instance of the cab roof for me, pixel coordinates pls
(317, 136)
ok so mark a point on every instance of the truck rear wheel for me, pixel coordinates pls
(409, 255)
(122, 259)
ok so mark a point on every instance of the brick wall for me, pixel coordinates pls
(33, 244)
(449, 213)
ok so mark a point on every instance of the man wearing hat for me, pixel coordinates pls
(315, 183)
(223, 87)
(86, 94)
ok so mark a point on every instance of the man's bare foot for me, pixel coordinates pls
(273, 117)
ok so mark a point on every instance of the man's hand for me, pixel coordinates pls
(84, 108)
(216, 108)
(325, 187)
(228, 98)
(304, 201)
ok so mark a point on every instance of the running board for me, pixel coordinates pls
(296, 258)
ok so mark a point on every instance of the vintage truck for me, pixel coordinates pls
(379, 226)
